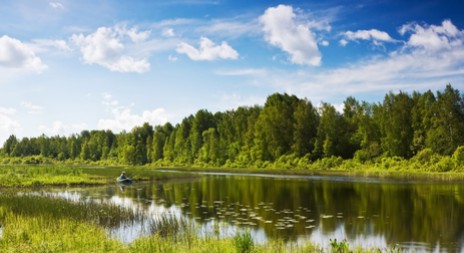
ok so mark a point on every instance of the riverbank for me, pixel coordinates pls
(62, 175)
(38, 170)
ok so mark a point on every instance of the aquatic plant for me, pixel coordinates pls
(243, 242)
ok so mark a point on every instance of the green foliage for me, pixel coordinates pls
(244, 242)
(46, 175)
(444, 164)
(458, 157)
(286, 132)
(339, 247)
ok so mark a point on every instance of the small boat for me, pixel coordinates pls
(124, 180)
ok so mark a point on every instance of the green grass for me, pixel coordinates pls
(25, 176)
(48, 175)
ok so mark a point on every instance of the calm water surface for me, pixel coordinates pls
(365, 212)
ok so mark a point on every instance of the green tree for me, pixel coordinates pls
(160, 136)
(274, 129)
(422, 115)
(10, 144)
(305, 128)
(447, 131)
(396, 128)
(202, 121)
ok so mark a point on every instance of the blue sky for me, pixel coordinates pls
(69, 65)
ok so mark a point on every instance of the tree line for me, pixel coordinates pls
(285, 126)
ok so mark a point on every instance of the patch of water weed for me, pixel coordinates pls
(103, 214)
(168, 225)
(244, 242)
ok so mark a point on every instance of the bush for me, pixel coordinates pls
(458, 156)
(424, 156)
(330, 162)
(361, 156)
(445, 164)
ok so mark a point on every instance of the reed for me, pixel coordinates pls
(26, 176)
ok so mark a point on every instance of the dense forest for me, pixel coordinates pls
(285, 128)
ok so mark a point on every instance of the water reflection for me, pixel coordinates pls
(369, 214)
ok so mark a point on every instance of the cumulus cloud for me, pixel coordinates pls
(7, 122)
(168, 32)
(415, 67)
(442, 37)
(324, 43)
(208, 50)
(16, 54)
(374, 35)
(124, 119)
(45, 45)
(56, 5)
(172, 58)
(58, 127)
(241, 72)
(283, 30)
(114, 48)
(31, 108)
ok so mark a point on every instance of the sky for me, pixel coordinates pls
(68, 66)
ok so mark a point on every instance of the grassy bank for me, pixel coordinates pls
(25, 176)
(389, 168)
(59, 174)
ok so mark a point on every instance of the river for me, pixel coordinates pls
(374, 213)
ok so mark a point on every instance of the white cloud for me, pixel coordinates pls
(168, 32)
(133, 33)
(7, 122)
(208, 51)
(241, 72)
(31, 108)
(282, 29)
(56, 5)
(172, 58)
(230, 28)
(413, 68)
(446, 36)
(44, 45)
(124, 119)
(376, 36)
(343, 42)
(58, 127)
(15, 54)
(233, 101)
(112, 49)
(324, 43)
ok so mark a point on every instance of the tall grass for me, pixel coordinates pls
(24, 176)
(55, 208)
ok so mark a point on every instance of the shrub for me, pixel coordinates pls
(361, 156)
(330, 162)
(424, 156)
(458, 156)
(445, 164)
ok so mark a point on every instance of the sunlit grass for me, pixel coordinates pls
(25, 176)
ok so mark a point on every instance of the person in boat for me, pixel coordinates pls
(123, 175)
